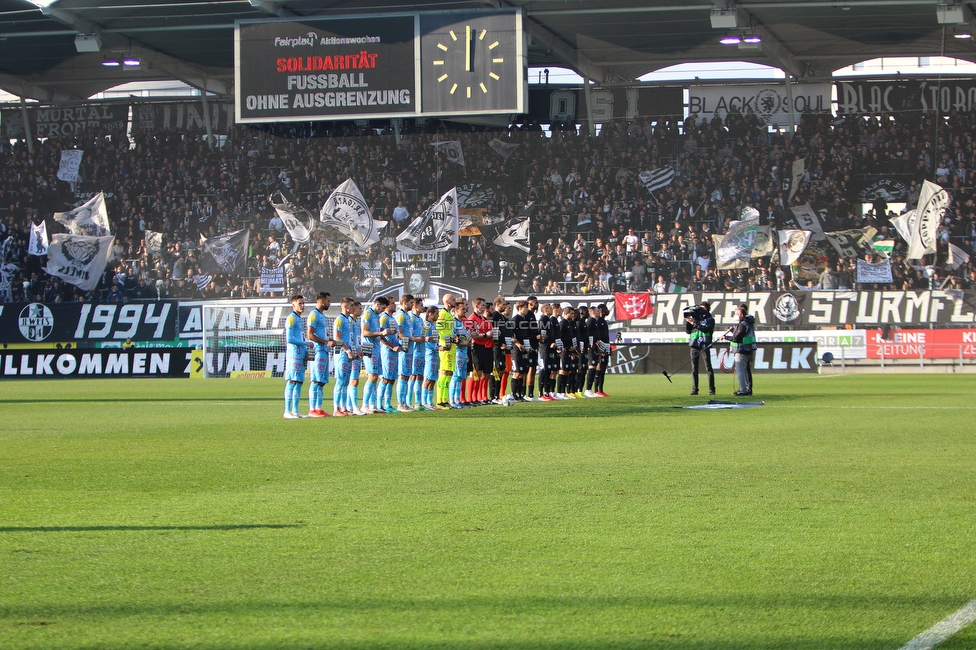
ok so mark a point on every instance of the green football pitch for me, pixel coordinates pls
(180, 513)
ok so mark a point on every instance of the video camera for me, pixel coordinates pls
(695, 312)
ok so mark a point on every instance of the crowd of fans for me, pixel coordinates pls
(594, 227)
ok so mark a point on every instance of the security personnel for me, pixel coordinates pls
(699, 326)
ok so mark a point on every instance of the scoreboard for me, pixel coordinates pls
(421, 64)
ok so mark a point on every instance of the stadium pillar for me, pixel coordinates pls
(27, 130)
(789, 102)
(206, 118)
(589, 108)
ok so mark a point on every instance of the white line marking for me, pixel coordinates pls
(943, 629)
(881, 407)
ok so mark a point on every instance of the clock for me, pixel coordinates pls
(472, 63)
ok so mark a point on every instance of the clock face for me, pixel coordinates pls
(471, 62)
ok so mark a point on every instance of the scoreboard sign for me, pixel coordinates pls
(380, 66)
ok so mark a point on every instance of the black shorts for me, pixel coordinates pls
(481, 359)
(521, 361)
(567, 360)
(596, 357)
(533, 358)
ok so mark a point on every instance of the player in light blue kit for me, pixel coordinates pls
(404, 322)
(462, 340)
(320, 336)
(389, 355)
(357, 360)
(371, 335)
(343, 335)
(295, 353)
(432, 360)
(418, 353)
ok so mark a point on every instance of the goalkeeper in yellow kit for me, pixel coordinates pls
(445, 349)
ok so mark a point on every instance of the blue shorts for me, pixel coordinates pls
(388, 369)
(343, 368)
(320, 367)
(432, 367)
(295, 365)
(374, 362)
(461, 367)
(356, 369)
(405, 360)
(419, 358)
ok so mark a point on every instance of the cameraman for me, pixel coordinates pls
(699, 326)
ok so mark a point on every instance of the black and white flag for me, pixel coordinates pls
(293, 216)
(89, 219)
(346, 211)
(224, 253)
(154, 243)
(957, 257)
(79, 259)
(70, 163)
(503, 149)
(792, 243)
(932, 202)
(451, 150)
(657, 178)
(515, 232)
(796, 177)
(38, 243)
(434, 231)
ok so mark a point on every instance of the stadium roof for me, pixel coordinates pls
(609, 41)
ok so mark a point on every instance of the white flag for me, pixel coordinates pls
(904, 223)
(434, 231)
(657, 178)
(957, 257)
(346, 211)
(792, 243)
(291, 215)
(154, 242)
(799, 168)
(38, 243)
(78, 259)
(503, 149)
(932, 201)
(70, 163)
(808, 219)
(452, 150)
(89, 218)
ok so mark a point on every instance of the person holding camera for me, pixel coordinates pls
(743, 338)
(699, 326)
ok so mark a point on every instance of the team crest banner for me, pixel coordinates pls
(768, 102)
(346, 211)
(435, 231)
(792, 243)
(78, 259)
(89, 219)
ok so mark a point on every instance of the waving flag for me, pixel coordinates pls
(224, 254)
(792, 243)
(503, 149)
(515, 232)
(293, 216)
(346, 211)
(799, 169)
(154, 242)
(38, 242)
(452, 150)
(78, 259)
(932, 201)
(89, 218)
(434, 231)
(656, 179)
(631, 306)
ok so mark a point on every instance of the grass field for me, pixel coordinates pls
(175, 513)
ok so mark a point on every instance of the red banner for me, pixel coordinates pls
(631, 306)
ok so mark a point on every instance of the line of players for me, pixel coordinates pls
(441, 358)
